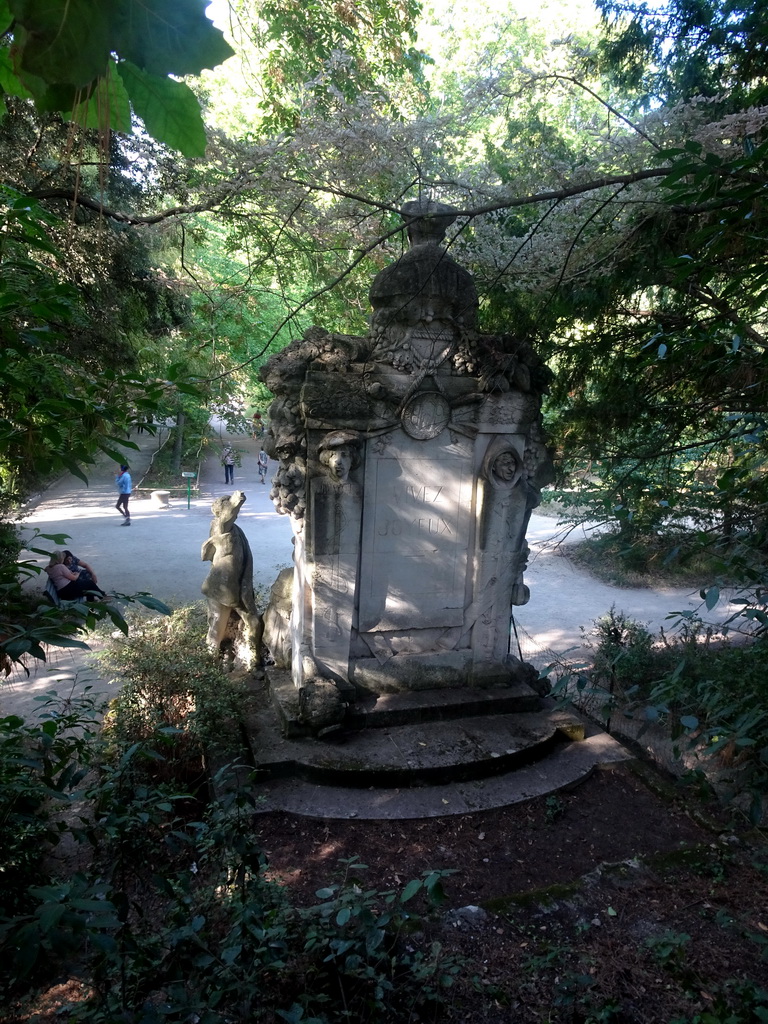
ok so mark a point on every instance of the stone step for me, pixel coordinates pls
(417, 754)
(567, 766)
(391, 709)
(424, 769)
(371, 711)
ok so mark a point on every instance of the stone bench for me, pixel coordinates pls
(160, 499)
(52, 593)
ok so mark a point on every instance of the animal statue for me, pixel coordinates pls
(229, 584)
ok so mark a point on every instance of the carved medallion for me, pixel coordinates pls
(426, 415)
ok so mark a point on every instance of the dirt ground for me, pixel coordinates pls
(623, 900)
(610, 817)
(607, 903)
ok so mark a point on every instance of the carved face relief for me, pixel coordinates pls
(502, 466)
(339, 451)
(505, 467)
(339, 462)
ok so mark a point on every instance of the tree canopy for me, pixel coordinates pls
(611, 210)
(180, 198)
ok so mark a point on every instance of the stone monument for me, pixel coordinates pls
(229, 583)
(410, 461)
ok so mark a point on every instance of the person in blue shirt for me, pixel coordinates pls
(123, 481)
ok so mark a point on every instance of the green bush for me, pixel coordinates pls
(171, 685)
(176, 918)
(716, 697)
(623, 658)
(357, 940)
(622, 669)
(710, 692)
(41, 767)
(678, 557)
(230, 947)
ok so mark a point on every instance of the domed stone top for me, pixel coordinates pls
(426, 283)
(427, 221)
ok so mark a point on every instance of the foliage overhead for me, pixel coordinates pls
(324, 54)
(619, 242)
(686, 48)
(61, 55)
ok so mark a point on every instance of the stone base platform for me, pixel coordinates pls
(451, 765)
(370, 711)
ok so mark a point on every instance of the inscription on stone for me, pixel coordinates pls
(416, 524)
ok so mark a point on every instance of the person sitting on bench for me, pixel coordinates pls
(75, 564)
(69, 585)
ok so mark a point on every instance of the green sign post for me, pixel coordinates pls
(190, 477)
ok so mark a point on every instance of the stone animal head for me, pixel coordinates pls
(226, 509)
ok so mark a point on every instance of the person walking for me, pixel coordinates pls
(263, 465)
(124, 487)
(228, 460)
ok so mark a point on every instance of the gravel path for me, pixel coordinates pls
(160, 553)
(565, 598)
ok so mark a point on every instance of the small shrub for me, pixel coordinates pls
(42, 764)
(716, 695)
(622, 669)
(176, 919)
(623, 652)
(173, 687)
(679, 558)
(229, 946)
(668, 949)
(360, 954)
(711, 693)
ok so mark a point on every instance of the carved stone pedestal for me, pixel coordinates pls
(410, 461)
